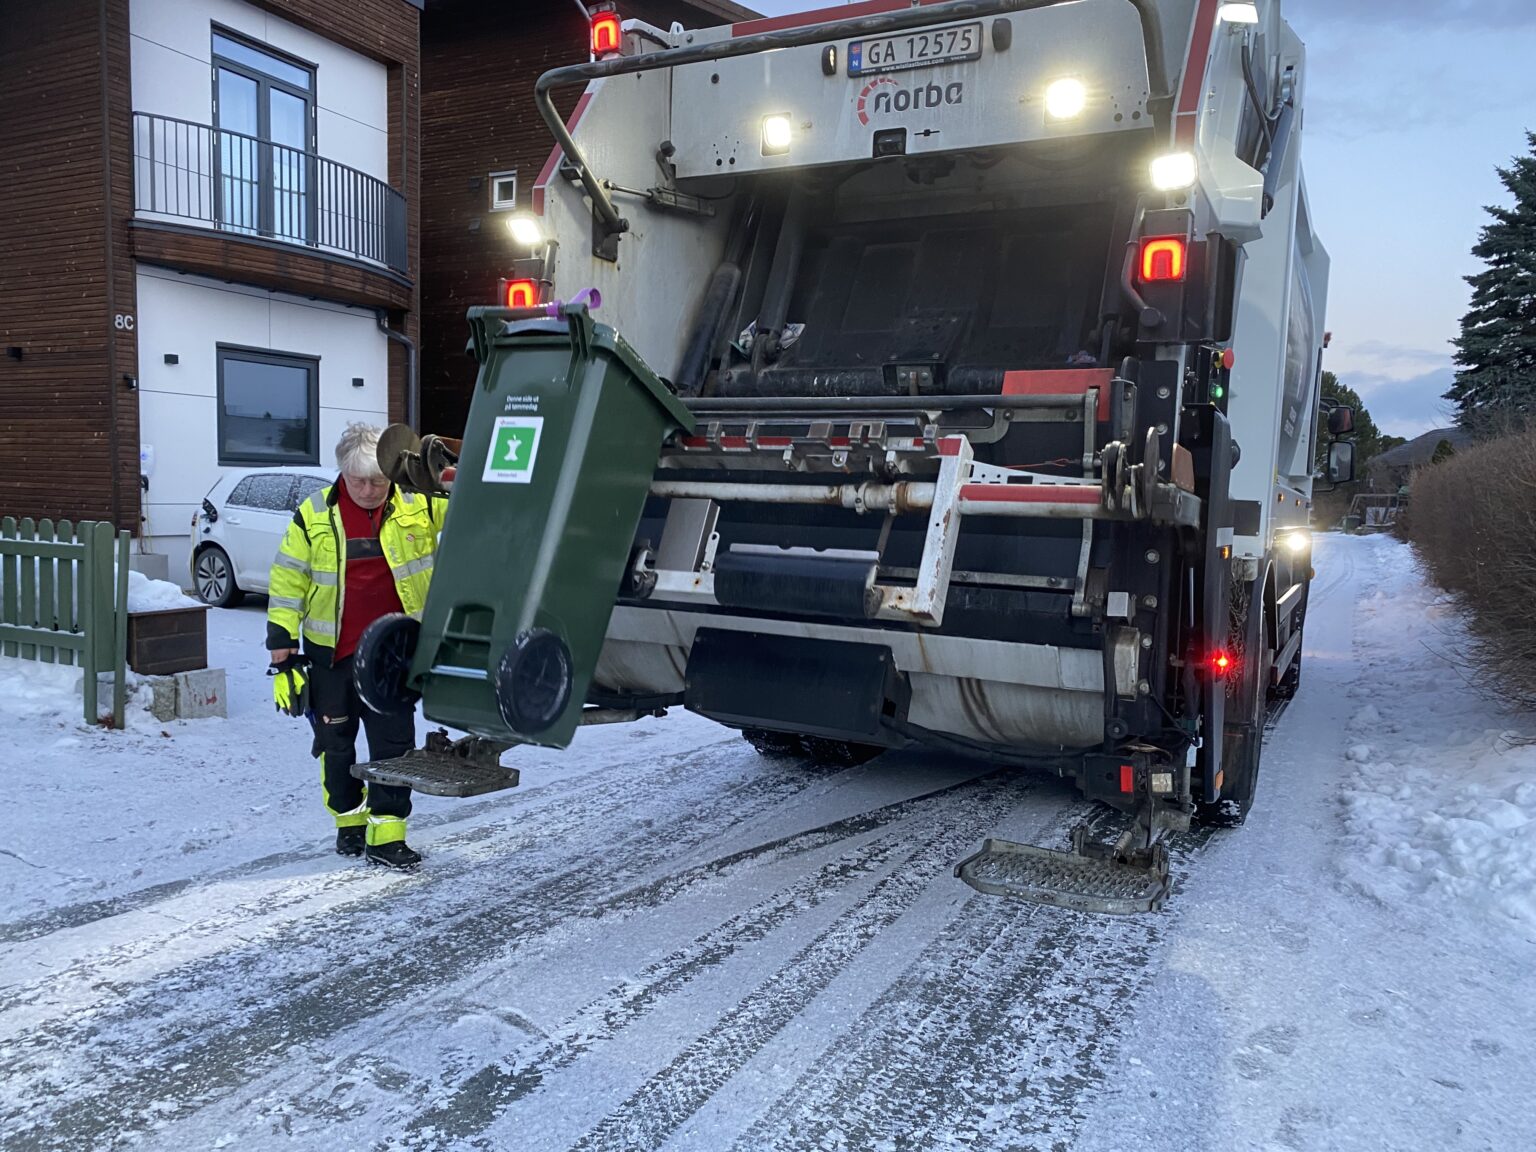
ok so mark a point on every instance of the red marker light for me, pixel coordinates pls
(519, 293)
(1127, 778)
(1162, 259)
(607, 34)
(1228, 358)
(1221, 663)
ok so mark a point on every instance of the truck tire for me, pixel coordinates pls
(839, 753)
(1247, 706)
(773, 744)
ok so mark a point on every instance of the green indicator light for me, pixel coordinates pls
(1217, 392)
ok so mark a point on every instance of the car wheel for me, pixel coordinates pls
(213, 576)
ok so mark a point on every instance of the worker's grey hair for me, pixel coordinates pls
(357, 452)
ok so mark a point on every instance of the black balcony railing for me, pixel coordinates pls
(243, 184)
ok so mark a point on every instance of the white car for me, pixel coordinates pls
(236, 532)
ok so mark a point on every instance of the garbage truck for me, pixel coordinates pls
(910, 372)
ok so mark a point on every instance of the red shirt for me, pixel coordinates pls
(369, 589)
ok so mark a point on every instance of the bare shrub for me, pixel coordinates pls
(1472, 521)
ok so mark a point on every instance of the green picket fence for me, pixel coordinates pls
(64, 600)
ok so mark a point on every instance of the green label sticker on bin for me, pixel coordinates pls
(514, 449)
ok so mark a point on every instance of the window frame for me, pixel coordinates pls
(226, 352)
(498, 204)
(265, 82)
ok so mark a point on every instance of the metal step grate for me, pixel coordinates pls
(438, 774)
(1067, 879)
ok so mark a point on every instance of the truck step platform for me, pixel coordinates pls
(1093, 877)
(467, 767)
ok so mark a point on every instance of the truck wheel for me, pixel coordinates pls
(773, 744)
(1247, 706)
(839, 753)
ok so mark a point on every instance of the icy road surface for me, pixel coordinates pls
(663, 941)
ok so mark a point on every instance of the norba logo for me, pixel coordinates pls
(885, 95)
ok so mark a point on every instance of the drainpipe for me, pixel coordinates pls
(412, 390)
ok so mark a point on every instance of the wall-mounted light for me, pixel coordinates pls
(172, 358)
(129, 381)
(357, 381)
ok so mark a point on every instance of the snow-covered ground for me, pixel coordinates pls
(663, 941)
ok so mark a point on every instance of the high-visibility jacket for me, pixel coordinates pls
(308, 584)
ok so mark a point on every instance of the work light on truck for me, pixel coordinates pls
(607, 34)
(1238, 14)
(526, 230)
(1065, 99)
(777, 135)
(1162, 259)
(1174, 172)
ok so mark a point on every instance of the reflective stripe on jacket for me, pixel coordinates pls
(308, 583)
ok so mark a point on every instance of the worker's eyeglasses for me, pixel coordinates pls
(368, 482)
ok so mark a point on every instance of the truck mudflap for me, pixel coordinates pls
(1093, 877)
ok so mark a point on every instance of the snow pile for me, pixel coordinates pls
(39, 695)
(1442, 798)
(146, 595)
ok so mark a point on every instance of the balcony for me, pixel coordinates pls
(246, 186)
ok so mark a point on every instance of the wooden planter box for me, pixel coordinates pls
(170, 640)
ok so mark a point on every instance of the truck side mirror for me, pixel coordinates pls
(1341, 461)
(1341, 421)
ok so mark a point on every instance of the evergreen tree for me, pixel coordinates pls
(1443, 452)
(1495, 389)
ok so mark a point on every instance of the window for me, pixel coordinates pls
(265, 492)
(269, 408)
(306, 487)
(503, 191)
(263, 106)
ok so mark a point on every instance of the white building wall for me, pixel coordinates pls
(189, 317)
(172, 65)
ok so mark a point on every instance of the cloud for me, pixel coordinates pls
(1405, 407)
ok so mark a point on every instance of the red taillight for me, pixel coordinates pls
(519, 293)
(1127, 778)
(607, 34)
(1222, 663)
(1162, 259)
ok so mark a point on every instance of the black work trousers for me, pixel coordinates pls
(337, 715)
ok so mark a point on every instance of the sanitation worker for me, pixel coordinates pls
(355, 551)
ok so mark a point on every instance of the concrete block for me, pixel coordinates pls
(201, 694)
(153, 564)
(162, 704)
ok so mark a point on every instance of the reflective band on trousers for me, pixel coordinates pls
(412, 567)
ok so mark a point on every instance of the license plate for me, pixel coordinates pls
(914, 50)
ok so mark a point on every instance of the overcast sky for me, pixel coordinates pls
(1411, 105)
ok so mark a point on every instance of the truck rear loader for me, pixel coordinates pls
(956, 384)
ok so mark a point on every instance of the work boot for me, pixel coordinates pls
(397, 854)
(351, 841)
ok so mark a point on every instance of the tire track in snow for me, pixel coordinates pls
(654, 1111)
(992, 1037)
(114, 967)
(165, 1049)
(487, 1094)
(77, 915)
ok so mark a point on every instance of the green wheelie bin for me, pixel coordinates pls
(565, 429)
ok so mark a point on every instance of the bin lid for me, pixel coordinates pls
(598, 337)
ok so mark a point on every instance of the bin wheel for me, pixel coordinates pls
(381, 667)
(533, 681)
